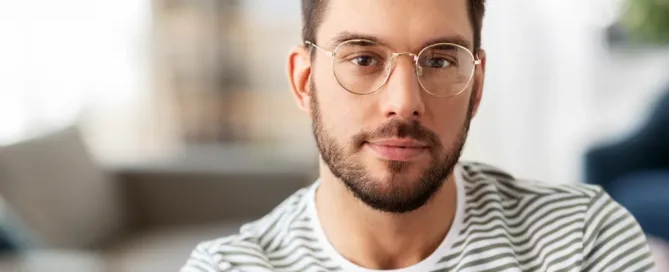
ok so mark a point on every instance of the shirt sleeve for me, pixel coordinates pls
(613, 239)
(200, 260)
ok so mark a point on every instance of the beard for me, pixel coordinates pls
(392, 195)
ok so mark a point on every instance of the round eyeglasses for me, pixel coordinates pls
(363, 67)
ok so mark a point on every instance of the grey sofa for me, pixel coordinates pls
(74, 215)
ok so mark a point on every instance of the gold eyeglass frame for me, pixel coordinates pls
(417, 67)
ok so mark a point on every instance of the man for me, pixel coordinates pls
(391, 87)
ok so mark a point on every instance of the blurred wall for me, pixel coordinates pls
(553, 88)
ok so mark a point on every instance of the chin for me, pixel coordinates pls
(395, 172)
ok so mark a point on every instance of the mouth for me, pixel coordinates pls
(397, 149)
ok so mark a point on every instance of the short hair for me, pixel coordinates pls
(313, 10)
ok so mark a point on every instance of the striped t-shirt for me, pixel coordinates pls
(501, 224)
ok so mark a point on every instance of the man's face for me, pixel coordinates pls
(395, 147)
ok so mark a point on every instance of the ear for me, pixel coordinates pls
(299, 76)
(479, 78)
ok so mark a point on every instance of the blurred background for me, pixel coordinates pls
(131, 130)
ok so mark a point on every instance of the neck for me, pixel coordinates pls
(382, 240)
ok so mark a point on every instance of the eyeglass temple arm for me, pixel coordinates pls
(477, 61)
(319, 48)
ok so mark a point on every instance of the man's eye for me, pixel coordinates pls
(438, 63)
(364, 61)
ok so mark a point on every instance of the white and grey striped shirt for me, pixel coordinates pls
(501, 224)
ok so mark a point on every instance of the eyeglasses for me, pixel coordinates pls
(363, 67)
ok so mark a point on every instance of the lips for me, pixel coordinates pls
(397, 149)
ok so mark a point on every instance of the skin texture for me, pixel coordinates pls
(380, 213)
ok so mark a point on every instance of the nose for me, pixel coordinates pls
(403, 96)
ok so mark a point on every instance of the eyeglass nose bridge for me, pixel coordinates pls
(414, 58)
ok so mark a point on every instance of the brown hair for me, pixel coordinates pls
(313, 10)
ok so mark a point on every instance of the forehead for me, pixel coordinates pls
(404, 25)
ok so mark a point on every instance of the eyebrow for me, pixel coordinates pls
(455, 39)
(346, 36)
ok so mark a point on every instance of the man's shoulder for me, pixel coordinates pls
(478, 175)
(576, 223)
(254, 237)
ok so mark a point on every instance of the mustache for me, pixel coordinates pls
(400, 129)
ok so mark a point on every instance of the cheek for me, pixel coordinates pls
(338, 114)
(342, 111)
(446, 117)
